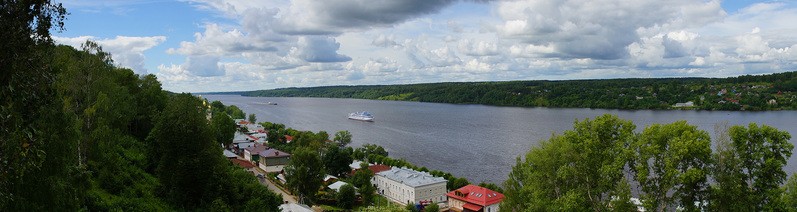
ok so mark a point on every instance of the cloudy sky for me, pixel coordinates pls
(235, 45)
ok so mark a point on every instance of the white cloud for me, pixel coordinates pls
(439, 57)
(598, 29)
(204, 66)
(318, 49)
(385, 41)
(126, 51)
(380, 66)
(312, 43)
(215, 41)
(480, 48)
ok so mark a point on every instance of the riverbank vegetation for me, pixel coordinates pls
(591, 167)
(765, 92)
(78, 133)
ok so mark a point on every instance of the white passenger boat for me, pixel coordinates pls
(361, 116)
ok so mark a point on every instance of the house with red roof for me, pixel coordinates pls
(243, 164)
(474, 198)
(241, 122)
(376, 168)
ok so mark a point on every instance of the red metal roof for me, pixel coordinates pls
(476, 195)
(242, 163)
(374, 168)
(471, 207)
(288, 138)
(378, 168)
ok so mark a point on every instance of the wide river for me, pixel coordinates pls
(478, 142)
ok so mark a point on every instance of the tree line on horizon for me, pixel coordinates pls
(765, 92)
(79, 133)
(672, 168)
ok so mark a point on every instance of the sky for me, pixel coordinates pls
(243, 45)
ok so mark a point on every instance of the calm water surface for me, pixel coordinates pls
(473, 141)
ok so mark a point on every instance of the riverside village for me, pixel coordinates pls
(393, 185)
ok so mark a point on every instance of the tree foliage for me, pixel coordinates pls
(671, 165)
(343, 137)
(362, 176)
(337, 160)
(223, 127)
(74, 129)
(753, 170)
(584, 169)
(189, 159)
(346, 196)
(432, 208)
(252, 118)
(789, 198)
(304, 173)
(235, 112)
(733, 93)
(31, 135)
(367, 192)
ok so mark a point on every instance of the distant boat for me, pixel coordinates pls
(271, 103)
(361, 116)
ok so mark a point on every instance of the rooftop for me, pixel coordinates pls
(374, 168)
(229, 154)
(293, 207)
(240, 138)
(411, 177)
(256, 149)
(476, 195)
(355, 164)
(242, 163)
(273, 153)
(336, 186)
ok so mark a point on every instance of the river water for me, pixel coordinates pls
(478, 142)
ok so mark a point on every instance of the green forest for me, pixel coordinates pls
(765, 92)
(79, 133)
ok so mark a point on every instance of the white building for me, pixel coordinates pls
(686, 104)
(261, 137)
(403, 185)
(254, 128)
